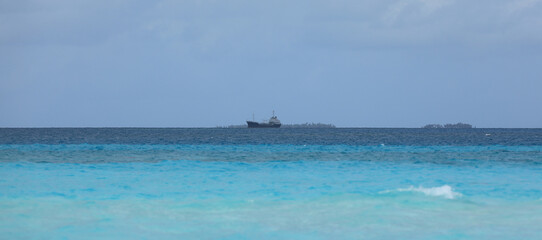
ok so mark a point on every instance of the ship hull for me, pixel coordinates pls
(252, 124)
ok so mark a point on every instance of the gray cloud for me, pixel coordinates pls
(353, 63)
(210, 23)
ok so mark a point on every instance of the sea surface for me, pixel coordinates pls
(173, 183)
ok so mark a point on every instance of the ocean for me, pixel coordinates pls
(212, 183)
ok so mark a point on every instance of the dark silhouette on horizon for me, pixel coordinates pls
(448, 125)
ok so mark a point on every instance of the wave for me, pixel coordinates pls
(443, 191)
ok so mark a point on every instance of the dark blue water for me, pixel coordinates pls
(219, 136)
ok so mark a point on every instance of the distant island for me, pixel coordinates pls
(299, 125)
(308, 125)
(448, 125)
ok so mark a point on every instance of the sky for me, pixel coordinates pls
(352, 63)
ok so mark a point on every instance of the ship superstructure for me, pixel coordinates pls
(273, 122)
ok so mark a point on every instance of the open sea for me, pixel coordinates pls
(211, 183)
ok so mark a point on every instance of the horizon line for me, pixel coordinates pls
(226, 127)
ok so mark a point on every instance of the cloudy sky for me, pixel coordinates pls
(353, 63)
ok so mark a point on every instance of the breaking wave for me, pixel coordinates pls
(443, 191)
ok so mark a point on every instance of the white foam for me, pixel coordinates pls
(443, 191)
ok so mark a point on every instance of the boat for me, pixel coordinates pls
(273, 122)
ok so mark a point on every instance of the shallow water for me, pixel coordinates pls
(160, 187)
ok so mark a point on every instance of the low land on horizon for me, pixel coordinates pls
(245, 126)
(302, 125)
(326, 125)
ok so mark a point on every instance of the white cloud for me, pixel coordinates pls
(431, 6)
(394, 11)
(416, 8)
(518, 6)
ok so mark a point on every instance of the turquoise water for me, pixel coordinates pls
(235, 190)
